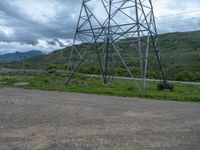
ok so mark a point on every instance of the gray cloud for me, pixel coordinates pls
(52, 42)
(26, 28)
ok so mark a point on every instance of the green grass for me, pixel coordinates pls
(117, 87)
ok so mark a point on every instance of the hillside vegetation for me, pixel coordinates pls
(180, 55)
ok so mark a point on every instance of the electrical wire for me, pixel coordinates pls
(178, 14)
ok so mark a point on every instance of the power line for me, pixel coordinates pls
(180, 20)
(182, 13)
(180, 25)
(174, 29)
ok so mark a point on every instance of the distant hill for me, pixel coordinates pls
(18, 56)
(179, 50)
(180, 53)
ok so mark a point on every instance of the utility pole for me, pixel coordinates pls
(120, 23)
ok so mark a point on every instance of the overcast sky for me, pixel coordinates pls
(49, 24)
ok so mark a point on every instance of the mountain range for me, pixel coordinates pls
(18, 56)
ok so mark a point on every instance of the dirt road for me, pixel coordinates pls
(41, 120)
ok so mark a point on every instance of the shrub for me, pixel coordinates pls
(130, 88)
(52, 71)
(188, 76)
(165, 86)
(89, 70)
(122, 72)
(52, 67)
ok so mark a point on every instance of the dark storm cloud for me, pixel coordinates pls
(52, 42)
(61, 44)
(56, 42)
(28, 30)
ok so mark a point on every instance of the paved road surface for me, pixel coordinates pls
(41, 120)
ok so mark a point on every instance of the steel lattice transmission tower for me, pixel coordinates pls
(106, 28)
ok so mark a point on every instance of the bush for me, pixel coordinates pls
(52, 67)
(162, 86)
(130, 88)
(89, 70)
(52, 71)
(188, 76)
(122, 72)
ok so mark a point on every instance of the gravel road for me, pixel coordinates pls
(42, 120)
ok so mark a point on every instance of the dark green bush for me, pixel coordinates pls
(52, 71)
(165, 86)
(188, 76)
(52, 67)
(89, 70)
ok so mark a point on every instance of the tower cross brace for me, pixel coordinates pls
(104, 26)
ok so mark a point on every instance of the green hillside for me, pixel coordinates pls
(180, 54)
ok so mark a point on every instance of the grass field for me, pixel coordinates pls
(118, 87)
